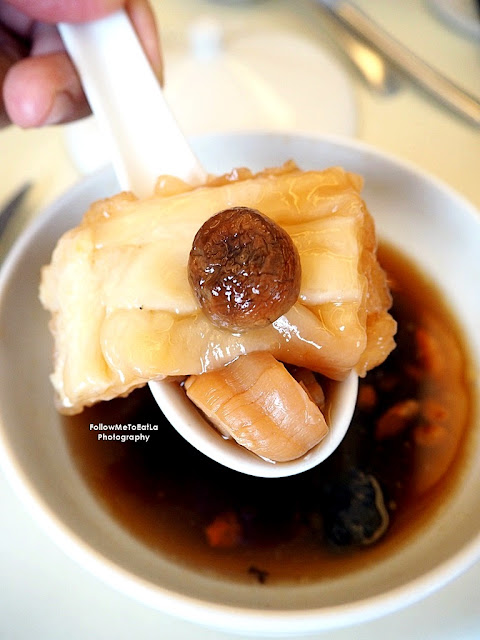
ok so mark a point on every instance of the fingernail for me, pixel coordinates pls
(61, 109)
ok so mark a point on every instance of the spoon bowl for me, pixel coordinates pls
(146, 142)
(186, 419)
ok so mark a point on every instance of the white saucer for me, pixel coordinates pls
(262, 80)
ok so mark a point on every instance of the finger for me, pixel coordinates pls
(37, 92)
(5, 64)
(45, 39)
(140, 12)
(143, 20)
(11, 50)
(44, 90)
(26, 101)
(65, 10)
(17, 22)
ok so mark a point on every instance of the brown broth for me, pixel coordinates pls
(173, 498)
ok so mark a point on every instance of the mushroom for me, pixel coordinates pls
(244, 269)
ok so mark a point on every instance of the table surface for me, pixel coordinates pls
(43, 594)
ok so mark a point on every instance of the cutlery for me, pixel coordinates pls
(426, 77)
(12, 206)
(374, 69)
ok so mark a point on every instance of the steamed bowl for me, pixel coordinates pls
(414, 212)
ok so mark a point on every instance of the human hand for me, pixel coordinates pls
(38, 82)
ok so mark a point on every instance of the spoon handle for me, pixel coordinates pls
(127, 100)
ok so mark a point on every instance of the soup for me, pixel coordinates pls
(395, 468)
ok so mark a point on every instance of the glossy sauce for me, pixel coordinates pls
(408, 433)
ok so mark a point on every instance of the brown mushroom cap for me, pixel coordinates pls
(244, 269)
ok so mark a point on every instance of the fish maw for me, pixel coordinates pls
(119, 281)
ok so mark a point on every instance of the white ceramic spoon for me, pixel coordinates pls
(145, 142)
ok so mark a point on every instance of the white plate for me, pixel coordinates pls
(419, 215)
